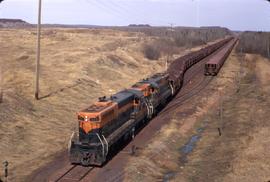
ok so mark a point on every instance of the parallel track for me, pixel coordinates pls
(74, 174)
(179, 100)
(183, 97)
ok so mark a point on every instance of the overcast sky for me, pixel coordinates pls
(234, 14)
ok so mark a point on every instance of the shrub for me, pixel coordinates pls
(151, 52)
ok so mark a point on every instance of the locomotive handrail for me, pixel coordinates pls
(70, 141)
(101, 144)
(148, 109)
(171, 86)
(107, 145)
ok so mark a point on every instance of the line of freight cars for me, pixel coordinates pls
(103, 125)
(214, 64)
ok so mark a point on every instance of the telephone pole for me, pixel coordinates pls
(1, 83)
(268, 48)
(220, 125)
(38, 51)
(1, 77)
(171, 24)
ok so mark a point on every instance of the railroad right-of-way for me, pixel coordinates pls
(193, 82)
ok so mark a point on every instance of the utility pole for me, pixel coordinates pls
(1, 78)
(38, 51)
(220, 128)
(268, 48)
(1, 83)
(171, 27)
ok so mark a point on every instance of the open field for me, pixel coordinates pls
(189, 148)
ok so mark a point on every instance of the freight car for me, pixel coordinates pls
(178, 68)
(213, 66)
(110, 120)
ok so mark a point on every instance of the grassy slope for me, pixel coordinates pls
(77, 66)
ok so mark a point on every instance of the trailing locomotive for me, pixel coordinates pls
(110, 120)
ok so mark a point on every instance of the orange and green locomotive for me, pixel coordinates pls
(115, 118)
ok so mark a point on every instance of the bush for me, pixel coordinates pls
(151, 52)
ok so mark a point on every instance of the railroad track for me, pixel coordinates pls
(78, 173)
(178, 101)
(187, 93)
(184, 97)
(73, 174)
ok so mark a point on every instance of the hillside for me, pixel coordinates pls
(13, 23)
(77, 66)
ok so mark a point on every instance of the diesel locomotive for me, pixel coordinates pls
(112, 119)
(104, 123)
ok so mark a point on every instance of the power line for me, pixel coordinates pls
(111, 6)
(133, 11)
(104, 7)
(121, 12)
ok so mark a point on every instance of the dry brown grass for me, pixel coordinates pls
(77, 66)
(252, 163)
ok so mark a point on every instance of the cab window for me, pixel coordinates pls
(96, 119)
(137, 101)
(80, 118)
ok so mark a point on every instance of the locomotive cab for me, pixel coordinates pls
(98, 122)
(90, 145)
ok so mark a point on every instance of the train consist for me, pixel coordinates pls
(103, 125)
(214, 64)
(180, 65)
